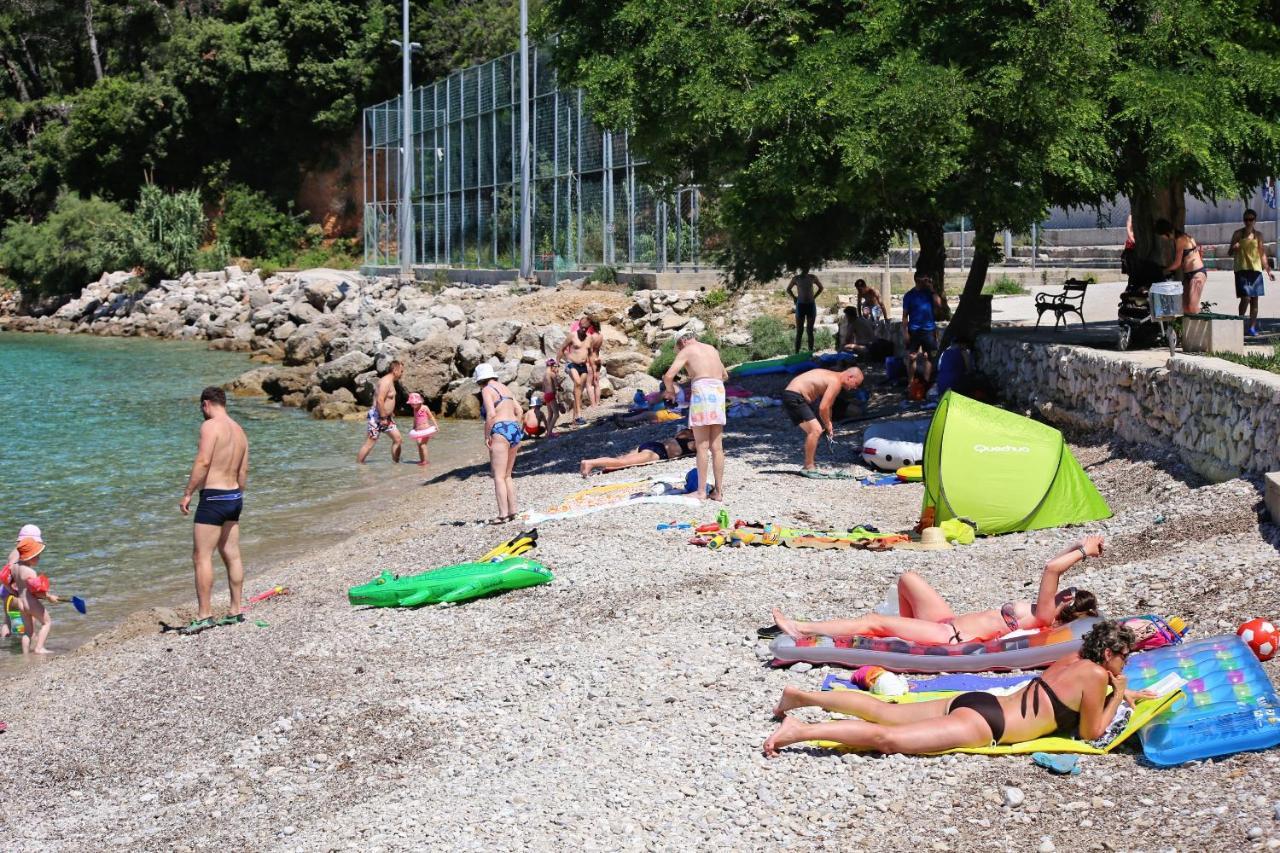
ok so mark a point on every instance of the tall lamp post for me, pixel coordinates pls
(526, 207)
(406, 143)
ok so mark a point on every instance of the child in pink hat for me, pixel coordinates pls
(424, 425)
(30, 588)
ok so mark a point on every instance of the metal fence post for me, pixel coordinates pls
(526, 249)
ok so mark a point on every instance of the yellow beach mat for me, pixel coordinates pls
(1143, 713)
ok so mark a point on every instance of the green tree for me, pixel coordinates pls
(167, 231)
(78, 241)
(252, 226)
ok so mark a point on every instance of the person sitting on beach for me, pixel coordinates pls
(856, 332)
(576, 352)
(502, 435)
(533, 423)
(925, 617)
(424, 425)
(549, 411)
(30, 589)
(707, 414)
(1069, 698)
(821, 387)
(679, 445)
(381, 417)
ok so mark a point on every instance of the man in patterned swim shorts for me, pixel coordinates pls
(381, 416)
(706, 406)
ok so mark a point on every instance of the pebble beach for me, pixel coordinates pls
(622, 706)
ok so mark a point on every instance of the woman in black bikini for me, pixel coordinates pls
(924, 617)
(1187, 258)
(681, 444)
(1070, 698)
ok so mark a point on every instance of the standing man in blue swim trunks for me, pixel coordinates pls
(805, 290)
(220, 472)
(920, 308)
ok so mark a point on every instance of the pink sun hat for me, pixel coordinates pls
(415, 399)
(30, 531)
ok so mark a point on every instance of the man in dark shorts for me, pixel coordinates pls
(220, 471)
(818, 386)
(805, 289)
(575, 352)
(920, 308)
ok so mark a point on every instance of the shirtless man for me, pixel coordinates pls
(706, 405)
(381, 416)
(220, 472)
(595, 364)
(869, 304)
(805, 290)
(550, 402)
(1187, 258)
(818, 386)
(576, 352)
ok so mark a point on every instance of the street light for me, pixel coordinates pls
(406, 142)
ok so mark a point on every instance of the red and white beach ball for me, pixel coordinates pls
(1261, 636)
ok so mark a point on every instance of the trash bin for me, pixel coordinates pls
(1166, 300)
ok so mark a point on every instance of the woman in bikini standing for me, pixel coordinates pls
(1186, 257)
(924, 617)
(502, 435)
(1071, 697)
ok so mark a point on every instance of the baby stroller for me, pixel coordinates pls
(1148, 305)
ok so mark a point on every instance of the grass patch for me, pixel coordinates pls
(716, 298)
(770, 337)
(1004, 286)
(1269, 362)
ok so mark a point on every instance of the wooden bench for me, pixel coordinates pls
(1069, 301)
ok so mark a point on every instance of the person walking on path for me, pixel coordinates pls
(1187, 258)
(502, 435)
(381, 416)
(576, 353)
(706, 406)
(1250, 261)
(820, 387)
(920, 308)
(220, 472)
(805, 289)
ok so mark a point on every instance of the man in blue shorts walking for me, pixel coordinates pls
(920, 307)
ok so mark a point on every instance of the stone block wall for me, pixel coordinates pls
(1222, 418)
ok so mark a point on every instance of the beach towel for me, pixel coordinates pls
(612, 496)
(1142, 714)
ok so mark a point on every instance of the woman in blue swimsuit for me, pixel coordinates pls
(502, 435)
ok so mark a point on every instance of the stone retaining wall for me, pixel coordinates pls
(1223, 418)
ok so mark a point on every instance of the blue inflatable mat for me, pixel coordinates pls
(959, 681)
(1230, 705)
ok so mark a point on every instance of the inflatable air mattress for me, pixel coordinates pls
(1229, 706)
(1020, 650)
(891, 445)
(462, 582)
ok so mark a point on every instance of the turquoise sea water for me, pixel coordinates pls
(97, 437)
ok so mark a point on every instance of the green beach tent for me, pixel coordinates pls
(1003, 471)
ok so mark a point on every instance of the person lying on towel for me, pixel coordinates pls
(1070, 698)
(924, 617)
(681, 444)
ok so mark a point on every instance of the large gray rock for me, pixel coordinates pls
(249, 383)
(624, 362)
(451, 314)
(323, 287)
(342, 371)
(306, 345)
(468, 355)
(283, 381)
(463, 400)
(303, 313)
(429, 367)
(284, 331)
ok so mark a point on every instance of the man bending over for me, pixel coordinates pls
(818, 387)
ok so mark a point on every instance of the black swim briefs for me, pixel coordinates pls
(575, 367)
(798, 407)
(656, 447)
(219, 506)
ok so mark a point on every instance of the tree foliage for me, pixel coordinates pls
(79, 239)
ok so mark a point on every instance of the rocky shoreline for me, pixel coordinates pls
(325, 335)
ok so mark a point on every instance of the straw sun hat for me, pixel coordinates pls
(931, 539)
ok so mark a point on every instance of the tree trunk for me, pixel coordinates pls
(93, 39)
(969, 315)
(33, 72)
(932, 258)
(15, 74)
(1163, 202)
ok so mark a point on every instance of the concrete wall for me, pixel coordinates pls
(1222, 418)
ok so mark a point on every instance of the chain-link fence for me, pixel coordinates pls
(590, 206)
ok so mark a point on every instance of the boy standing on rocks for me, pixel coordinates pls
(220, 472)
(382, 414)
(576, 352)
(706, 405)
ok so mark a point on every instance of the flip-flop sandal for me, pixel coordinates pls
(1062, 765)
(230, 620)
(769, 633)
(196, 626)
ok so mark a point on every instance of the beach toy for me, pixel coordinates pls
(1229, 704)
(1016, 650)
(722, 519)
(889, 445)
(516, 546)
(15, 616)
(39, 585)
(425, 432)
(450, 584)
(910, 473)
(1261, 637)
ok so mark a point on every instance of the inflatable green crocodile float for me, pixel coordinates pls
(462, 582)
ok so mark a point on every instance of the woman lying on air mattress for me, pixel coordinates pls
(1070, 697)
(924, 617)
